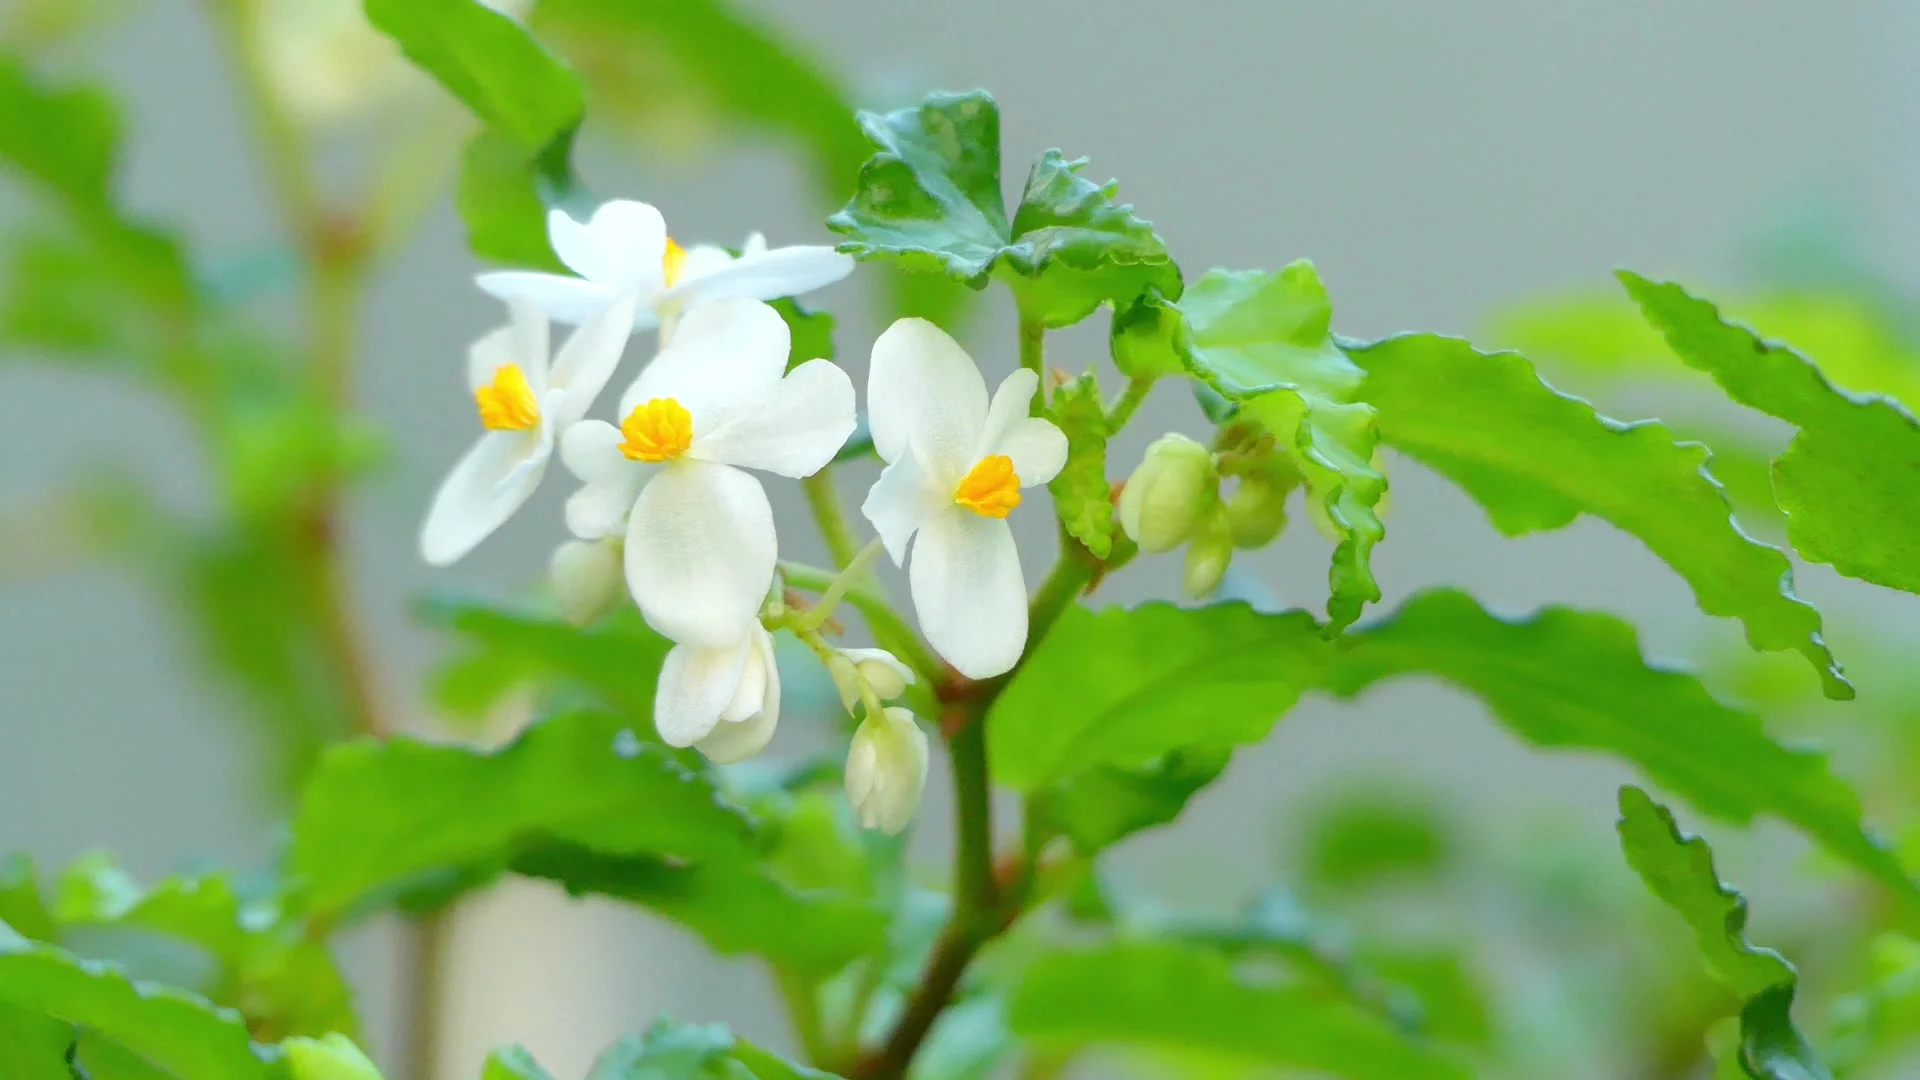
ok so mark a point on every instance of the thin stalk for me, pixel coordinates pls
(1122, 411)
(853, 572)
(1033, 357)
(889, 629)
(803, 1009)
(823, 496)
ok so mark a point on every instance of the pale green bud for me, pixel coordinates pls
(330, 1057)
(887, 770)
(1208, 557)
(1169, 496)
(879, 668)
(1257, 512)
(587, 579)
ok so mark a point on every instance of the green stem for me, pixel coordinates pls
(1033, 357)
(1064, 584)
(836, 589)
(1136, 392)
(803, 1009)
(890, 631)
(824, 497)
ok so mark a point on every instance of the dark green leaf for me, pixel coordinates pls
(1172, 996)
(1125, 686)
(66, 139)
(1074, 248)
(1103, 805)
(499, 197)
(1576, 679)
(1679, 870)
(380, 816)
(1536, 459)
(513, 1063)
(1847, 481)
(491, 63)
(33, 1046)
(1081, 494)
(811, 332)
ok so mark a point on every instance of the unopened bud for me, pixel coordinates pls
(586, 579)
(879, 668)
(330, 1057)
(1170, 495)
(887, 770)
(1208, 557)
(1257, 512)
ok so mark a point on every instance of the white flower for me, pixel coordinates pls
(887, 770)
(625, 247)
(585, 575)
(882, 671)
(700, 545)
(525, 405)
(955, 467)
(723, 701)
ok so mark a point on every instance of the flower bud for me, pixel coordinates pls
(1257, 512)
(747, 723)
(1207, 557)
(1169, 496)
(330, 1057)
(887, 770)
(888, 677)
(587, 579)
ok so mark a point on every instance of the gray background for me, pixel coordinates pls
(1435, 159)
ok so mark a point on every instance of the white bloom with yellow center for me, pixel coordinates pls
(955, 466)
(887, 770)
(525, 403)
(723, 701)
(700, 544)
(625, 247)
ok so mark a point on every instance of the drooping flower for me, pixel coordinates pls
(882, 671)
(585, 576)
(525, 404)
(723, 701)
(887, 770)
(624, 247)
(700, 544)
(955, 467)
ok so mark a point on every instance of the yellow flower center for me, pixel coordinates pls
(507, 404)
(673, 262)
(660, 430)
(990, 488)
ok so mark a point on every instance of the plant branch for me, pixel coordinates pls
(823, 496)
(889, 629)
(1033, 357)
(1122, 411)
(803, 1009)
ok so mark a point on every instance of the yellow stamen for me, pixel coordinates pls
(673, 262)
(660, 430)
(508, 403)
(990, 489)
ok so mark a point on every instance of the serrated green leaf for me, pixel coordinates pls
(1679, 870)
(513, 1063)
(174, 1030)
(1172, 996)
(379, 816)
(1263, 342)
(1125, 686)
(1081, 495)
(490, 62)
(33, 1046)
(1102, 806)
(499, 197)
(930, 200)
(735, 908)
(1577, 679)
(1846, 482)
(1535, 459)
(617, 660)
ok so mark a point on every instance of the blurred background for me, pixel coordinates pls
(1474, 167)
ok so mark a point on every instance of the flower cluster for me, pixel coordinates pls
(669, 501)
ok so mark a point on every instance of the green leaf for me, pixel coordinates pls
(1081, 494)
(174, 1030)
(1102, 806)
(1535, 459)
(22, 907)
(1679, 870)
(499, 196)
(491, 63)
(513, 1063)
(378, 817)
(1125, 686)
(810, 332)
(617, 661)
(735, 908)
(671, 1050)
(33, 1046)
(1576, 679)
(66, 139)
(1170, 996)
(1368, 837)
(1846, 482)
(930, 200)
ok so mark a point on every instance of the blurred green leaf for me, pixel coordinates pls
(810, 332)
(1577, 679)
(66, 139)
(616, 661)
(378, 817)
(1167, 995)
(1081, 495)
(499, 196)
(513, 1063)
(1364, 838)
(1679, 870)
(491, 63)
(1101, 806)
(22, 906)
(1536, 459)
(930, 200)
(1880, 1020)
(33, 1046)
(1125, 686)
(1263, 341)
(1846, 481)
(671, 1050)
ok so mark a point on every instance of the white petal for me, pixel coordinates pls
(794, 431)
(732, 742)
(522, 342)
(622, 247)
(567, 301)
(1038, 450)
(590, 450)
(883, 671)
(700, 552)
(923, 385)
(969, 592)
(901, 501)
(704, 259)
(585, 576)
(482, 492)
(1011, 401)
(725, 359)
(587, 360)
(695, 686)
(762, 275)
(748, 722)
(756, 245)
